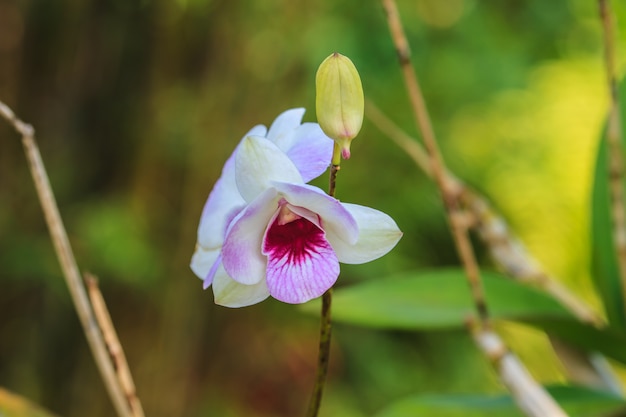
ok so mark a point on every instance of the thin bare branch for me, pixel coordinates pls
(399, 136)
(614, 145)
(510, 254)
(114, 346)
(513, 257)
(587, 369)
(66, 258)
(21, 127)
(507, 251)
(529, 396)
(437, 165)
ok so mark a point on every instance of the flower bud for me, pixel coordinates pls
(339, 100)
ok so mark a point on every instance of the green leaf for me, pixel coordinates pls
(607, 341)
(436, 299)
(12, 405)
(440, 299)
(576, 401)
(603, 257)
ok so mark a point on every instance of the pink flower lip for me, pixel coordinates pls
(301, 262)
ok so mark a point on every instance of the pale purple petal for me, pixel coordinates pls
(230, 293)
(301, 264)
(335, 218)
(306, 145)
(285, 123)
(224, 201)
(378, 234)
(258, 162)
(241, 253)
(310, 151)
(208, 280)
(202, 261)
(221, 207)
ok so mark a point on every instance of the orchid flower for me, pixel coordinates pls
(264, 231)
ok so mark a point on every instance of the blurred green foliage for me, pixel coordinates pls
(15, 406)
(438, 299)
(576, 402)
(137, 104)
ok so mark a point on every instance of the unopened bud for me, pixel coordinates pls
(339, 100)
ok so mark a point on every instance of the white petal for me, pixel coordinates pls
(224, 201)
(230, 293)
(258, 130)
(202, 261)
(241, 253)
(258, 162)
(286, 122)
(336, 219)
(221, 207)
(378, 234)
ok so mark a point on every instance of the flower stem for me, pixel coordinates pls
(71, 272)
(336, 155)
(323, 356)
(334, 168)
(325, 325)
(333, 179)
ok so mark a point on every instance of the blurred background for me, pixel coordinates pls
(137, 105)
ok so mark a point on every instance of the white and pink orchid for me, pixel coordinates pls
(264, 231)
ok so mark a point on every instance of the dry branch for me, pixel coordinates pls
(437, 165)
(116, 352)
(507, 251)
(69, 267)
(530, 397)
(512, 257)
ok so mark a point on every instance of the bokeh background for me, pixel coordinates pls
(137, 104)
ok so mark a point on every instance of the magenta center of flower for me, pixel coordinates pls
(301, 264)
(293, 237)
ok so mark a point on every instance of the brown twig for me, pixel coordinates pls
(510, 254)
(69, 267)
(399, 136)
(530, 397)
(114, 346)
(506, 250)
(614, 146)
(437, 165)
(513, 257)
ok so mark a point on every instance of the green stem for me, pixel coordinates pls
(333, 179)
(325, 325)
(334, 168)
(323, 356)
(336, 155)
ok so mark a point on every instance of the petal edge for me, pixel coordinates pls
(378, 234)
